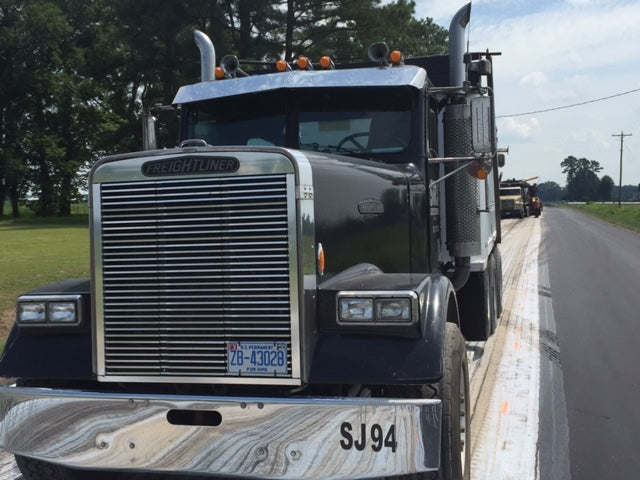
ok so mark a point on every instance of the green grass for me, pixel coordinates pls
(38, 251)
(627, 216)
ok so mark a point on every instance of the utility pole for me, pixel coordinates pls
(621, 135)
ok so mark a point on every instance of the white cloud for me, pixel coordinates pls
(534, 79)
(521, 129)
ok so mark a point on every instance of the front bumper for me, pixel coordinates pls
(283, 438)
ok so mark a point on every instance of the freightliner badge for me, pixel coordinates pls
(190, 166)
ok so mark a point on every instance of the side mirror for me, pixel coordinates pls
(481, 125)
(501, 160)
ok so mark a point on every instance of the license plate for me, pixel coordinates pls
(257, 358)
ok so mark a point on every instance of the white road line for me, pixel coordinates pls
(507, 444)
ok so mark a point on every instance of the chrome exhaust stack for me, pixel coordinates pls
(459, 22)
(463, 219)
(207, 56)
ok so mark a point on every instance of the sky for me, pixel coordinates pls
(557, 53)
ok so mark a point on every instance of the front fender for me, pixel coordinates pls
(384, 356)
(54, 352)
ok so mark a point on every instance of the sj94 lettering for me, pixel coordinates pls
(373, 436)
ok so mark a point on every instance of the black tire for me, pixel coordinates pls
(498, 282)
(33, 469)
(453, 391)
(493, 307)
(475, 307)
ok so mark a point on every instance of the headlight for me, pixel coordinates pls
(50, 310)
(393, 310)
(378, 307)
(32, 312)
(62, 312)
(356, 309)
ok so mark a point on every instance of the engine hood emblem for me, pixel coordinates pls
(190, 165)
(371, 206)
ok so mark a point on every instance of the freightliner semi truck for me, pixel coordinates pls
(286, 294)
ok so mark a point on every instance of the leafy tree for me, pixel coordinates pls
(582, 178)
(550, 192)
(80, 74)
(605, 188)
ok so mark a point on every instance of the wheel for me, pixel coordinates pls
(493, 307)
(475, 300)
(33, 469)
(453, 391)
(498, 281)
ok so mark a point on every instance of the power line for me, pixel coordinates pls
(570, 106)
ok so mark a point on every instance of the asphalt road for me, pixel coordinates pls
(594, 272)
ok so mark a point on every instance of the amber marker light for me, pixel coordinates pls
(304, 63)
(282, 66)
(396, 57)
(220, 73)
(321, 259)
(326, 63)
(479, 170)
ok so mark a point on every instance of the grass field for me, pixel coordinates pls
(627, 216)
(35, 252)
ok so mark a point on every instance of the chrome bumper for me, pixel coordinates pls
(279, 438)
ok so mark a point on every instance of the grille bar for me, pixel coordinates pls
(188, 265)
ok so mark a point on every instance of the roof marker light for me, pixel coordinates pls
(304, 63)
(396, 57)
(282, 66)
(326, 63)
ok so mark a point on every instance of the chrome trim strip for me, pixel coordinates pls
(406, 75)
(97, 286)
(306, 268)
(283, 438)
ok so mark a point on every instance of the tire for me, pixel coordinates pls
(493, 302)
(33, 469)
(498, 281)
(453, 391)
(475, 307)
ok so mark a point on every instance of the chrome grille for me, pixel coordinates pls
(188, 265)
(508, 204)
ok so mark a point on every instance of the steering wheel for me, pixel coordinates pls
(352, 139)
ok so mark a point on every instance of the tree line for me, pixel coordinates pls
(77, 74)
(584, 185)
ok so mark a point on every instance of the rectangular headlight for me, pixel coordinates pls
(32, 312)
(393, 310)
(378, 307)
(62, 312)
(43, 310)
(356, 309)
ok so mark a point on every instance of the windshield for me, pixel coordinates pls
(504, 192)
(360, 122)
